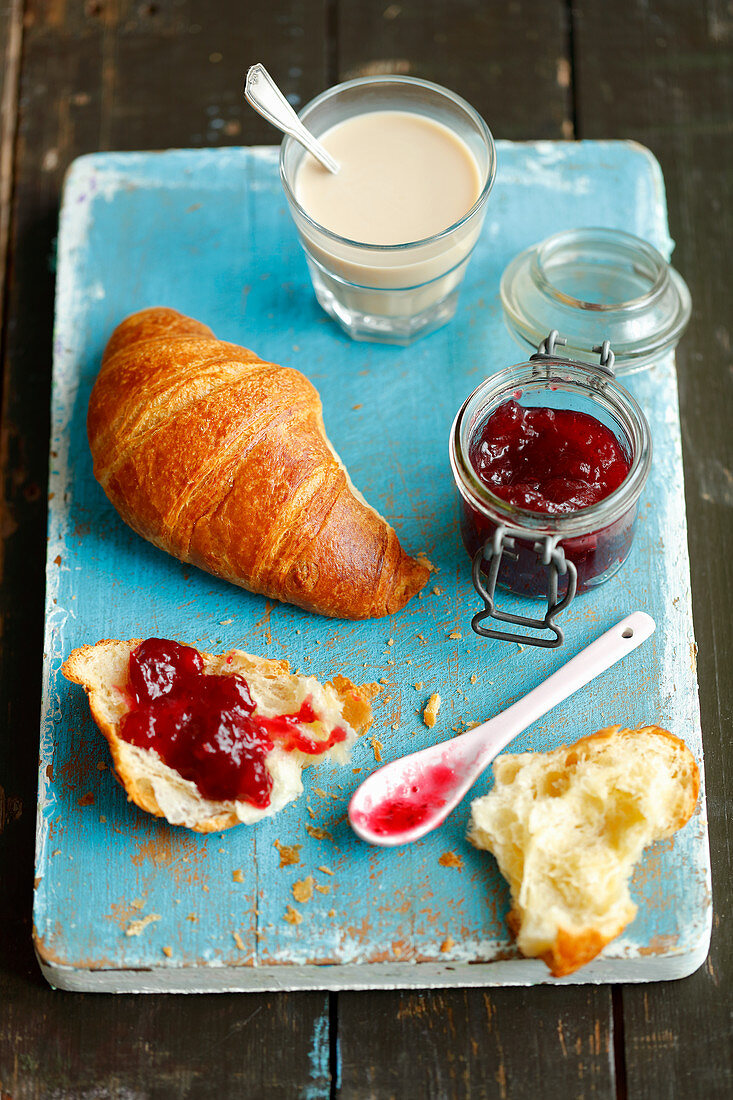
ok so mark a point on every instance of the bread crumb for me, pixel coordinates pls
(303, 889)
(424, 560)
(135, 927)
(356, 771)
(238, 875)
(430, 712)
(311, 812)
(289, 853)
(377, 747)
(292, 916)
(318, 833)
(239, 941)
(455, 635)
(167, 951)
(390, 641)
(450, 859)
(101, 766)
(137, 903)
(332, 912)
(474, 678)
(419, 685)
(326, 870)
(193, 917)
(395, 725)
(221, 849)
(421, 637)
(86, 799)
(355, 407)
(320, 792)
(323, 889)
(225, 622)
(436, 591)
(205, 889)
(103, 819)
(447, 944)
(384, 679)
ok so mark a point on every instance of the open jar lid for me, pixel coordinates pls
(594, 285)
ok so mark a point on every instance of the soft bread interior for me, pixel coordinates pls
(567, 827)
(102, 670)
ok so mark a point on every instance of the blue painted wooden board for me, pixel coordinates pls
(207, 232)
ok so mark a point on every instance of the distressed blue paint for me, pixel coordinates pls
(319, 1087)
(207, 232)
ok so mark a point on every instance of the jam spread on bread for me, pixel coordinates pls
(548, 460)
(206, 727)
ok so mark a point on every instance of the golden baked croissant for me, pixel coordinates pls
(222, 460)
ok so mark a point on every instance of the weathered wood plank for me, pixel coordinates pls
(509, 1044)
(511, 61)
(663, 74)
(11, 37)
(97, 75)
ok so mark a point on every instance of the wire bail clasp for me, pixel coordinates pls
(548, 350)
(550, 555)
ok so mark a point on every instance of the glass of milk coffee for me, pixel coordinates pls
(389, 237)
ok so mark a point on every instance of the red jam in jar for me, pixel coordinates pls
(548, 460)
(206, 726)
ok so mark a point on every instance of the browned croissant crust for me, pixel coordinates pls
(222, 460)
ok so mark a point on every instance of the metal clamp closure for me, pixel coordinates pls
(550, 555)
(553, 340)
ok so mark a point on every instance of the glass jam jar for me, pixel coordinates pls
(540, 554)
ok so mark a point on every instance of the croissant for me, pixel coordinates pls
(222, 460)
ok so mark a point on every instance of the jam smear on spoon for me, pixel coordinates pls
(206, 727)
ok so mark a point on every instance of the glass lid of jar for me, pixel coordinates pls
(594, 285)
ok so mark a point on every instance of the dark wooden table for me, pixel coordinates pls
(116, 74)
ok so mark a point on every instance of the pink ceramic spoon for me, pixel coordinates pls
(410, 797)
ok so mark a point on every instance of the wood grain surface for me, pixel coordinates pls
(115, 74)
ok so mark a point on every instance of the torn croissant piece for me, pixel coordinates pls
(567, 827)
(222, 460)
(213, 741)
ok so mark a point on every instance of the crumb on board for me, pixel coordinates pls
(447, 944)
(205, 888)
(436, 591)
(332, 912)
(420, 637)
(356, 771)
(289, 853)
(101, 766)
(430, 713)
(320, 792)
(450, 859)
(474, 677)
(167, 951)
(326, 870)
(292, 916)
(323, 889)
(86, 799)
(395, 725)
(238, 875)
(384, 679)
(419, 685)
(193, 918)
(135, 927)
(137, 903)
(425, 560)
(455, 635)
(390, 641)
(311, 811)
(103, 819)
(239, 941)
(317, 833)
(303, 889)
(377, 747)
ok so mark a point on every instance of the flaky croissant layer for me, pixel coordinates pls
(222, 460)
